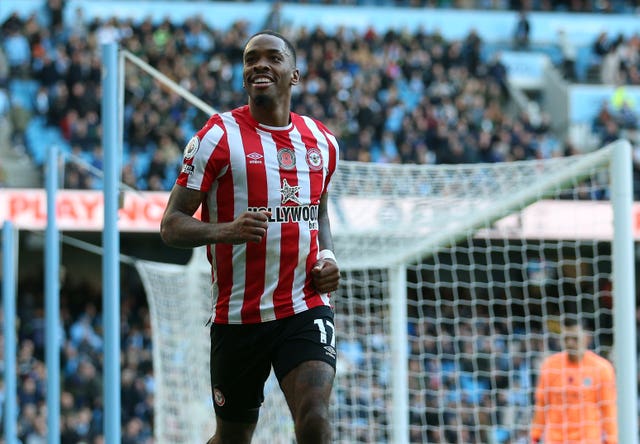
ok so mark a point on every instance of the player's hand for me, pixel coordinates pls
(325, 275)
(250, 226)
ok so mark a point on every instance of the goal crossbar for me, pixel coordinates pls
(392, 244)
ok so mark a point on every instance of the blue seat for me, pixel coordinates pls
(141, 163)
(35, 135)
(23, 93)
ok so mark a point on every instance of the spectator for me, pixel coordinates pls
(16, 48)
(521, 32)
(4, 67)
(569, 54)
(610, 72)
(38, 435)
(601, 46)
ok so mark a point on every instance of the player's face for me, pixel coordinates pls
(575, 342)
(269, 71)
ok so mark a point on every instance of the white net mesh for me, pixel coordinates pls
(179, 298)
(388, 214)
(494, 255)
(180, 305)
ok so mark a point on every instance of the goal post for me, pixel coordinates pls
(455, 278)
(9, 322)
(624, 283)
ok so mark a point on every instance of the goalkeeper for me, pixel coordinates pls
(575, 399)
(261, 174)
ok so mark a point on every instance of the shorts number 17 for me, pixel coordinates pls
(323, 325)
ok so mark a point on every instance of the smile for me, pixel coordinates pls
(261, 82)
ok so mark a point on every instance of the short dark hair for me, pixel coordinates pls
(572, 320)
(286, 41)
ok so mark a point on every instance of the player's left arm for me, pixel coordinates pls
(608, 404)
(540, 405)
(325, 273)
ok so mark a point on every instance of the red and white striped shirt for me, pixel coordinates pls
(244, 165)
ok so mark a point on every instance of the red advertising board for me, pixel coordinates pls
(142, 211)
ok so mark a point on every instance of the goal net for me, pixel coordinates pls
(455, 279)
(180, 305)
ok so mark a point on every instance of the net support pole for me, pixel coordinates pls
(9, 267)
(111, 244)
(121, 96)
(399, 354)
(52, 300)
(624, 304)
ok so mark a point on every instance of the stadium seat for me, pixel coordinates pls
(23, 93)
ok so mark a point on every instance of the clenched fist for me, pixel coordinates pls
(325, 275)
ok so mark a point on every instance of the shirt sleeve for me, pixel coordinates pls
(334, 153)
(205, 157)
(608, 405)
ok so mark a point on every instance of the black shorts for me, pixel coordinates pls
(242, 357)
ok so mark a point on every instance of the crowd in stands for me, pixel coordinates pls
(389, 97)
(471, 366)
(472, 363)
(82, 353)
(617, 58)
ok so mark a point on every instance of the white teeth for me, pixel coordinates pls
(261, 80)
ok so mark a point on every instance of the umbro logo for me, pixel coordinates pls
(330, 351)
(255, 158)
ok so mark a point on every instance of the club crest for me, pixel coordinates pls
(218, 397)
(314, 159)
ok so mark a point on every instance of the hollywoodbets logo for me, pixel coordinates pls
(292, 214)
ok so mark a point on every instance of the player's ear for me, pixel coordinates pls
(295, 77)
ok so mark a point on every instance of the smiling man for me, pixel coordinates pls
(261, 173)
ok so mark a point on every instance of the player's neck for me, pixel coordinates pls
(575, 359)
(277, 115)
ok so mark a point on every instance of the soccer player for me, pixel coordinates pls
(575, 399)
(261, 174)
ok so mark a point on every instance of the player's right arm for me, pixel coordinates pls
(180, 229)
